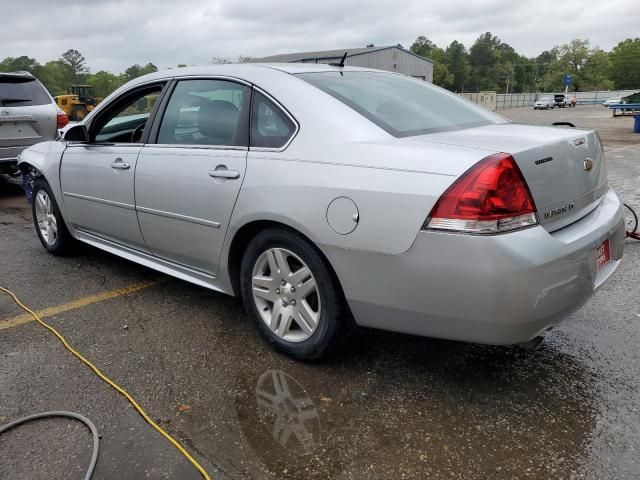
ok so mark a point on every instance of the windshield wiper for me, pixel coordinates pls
(5, 101)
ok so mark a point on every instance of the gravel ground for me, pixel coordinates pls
(384, 406)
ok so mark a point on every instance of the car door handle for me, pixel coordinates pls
(120, 165)
(231, 174)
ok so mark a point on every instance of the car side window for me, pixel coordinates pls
(125, 121)
(270, 126)
(206, 112)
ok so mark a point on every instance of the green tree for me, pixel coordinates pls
(20, 64)
(483, 59)
(525, 75)
(442, 76)
(625, 64)
(77, 63)
(456, 59)
(56, 76)
(104, 83)
(427, 49)
(422, 46)
(135, 71)
(545, 61)
(595, 73)
(588, 67)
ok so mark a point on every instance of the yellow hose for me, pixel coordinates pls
(111, 383)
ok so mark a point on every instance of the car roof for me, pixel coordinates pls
(16, 75)
(246, 70)
(294, 68)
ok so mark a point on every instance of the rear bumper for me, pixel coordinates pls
(10, 154)
(501, 289)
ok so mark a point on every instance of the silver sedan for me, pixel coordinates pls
(328, 197)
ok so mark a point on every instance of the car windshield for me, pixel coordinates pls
(18, 91)
(401, 105)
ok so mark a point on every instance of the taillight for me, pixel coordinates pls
(61, 119)
(491, 197)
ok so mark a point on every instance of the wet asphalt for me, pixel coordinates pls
(385, 406)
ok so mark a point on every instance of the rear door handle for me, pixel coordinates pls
(120, 165)
(230, 174)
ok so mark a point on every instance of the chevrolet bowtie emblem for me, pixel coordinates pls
(588, 164)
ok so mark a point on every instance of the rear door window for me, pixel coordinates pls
(19, 91)
(206, 112)
(270, 126)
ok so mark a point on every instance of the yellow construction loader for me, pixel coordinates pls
(78, 101)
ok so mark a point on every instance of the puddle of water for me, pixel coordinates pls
(461, 410)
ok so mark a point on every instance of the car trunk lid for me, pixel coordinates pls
(564, 168)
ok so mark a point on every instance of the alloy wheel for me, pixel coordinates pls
(46, 219)
(286, 294)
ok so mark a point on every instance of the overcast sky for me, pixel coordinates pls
(114, 34)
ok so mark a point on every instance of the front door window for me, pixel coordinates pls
(125, 122)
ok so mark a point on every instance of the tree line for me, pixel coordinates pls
(72, 69)
(489, 64)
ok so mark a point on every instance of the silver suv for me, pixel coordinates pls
(28, 115)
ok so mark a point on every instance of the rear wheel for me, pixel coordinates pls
(78, 113)
(52, 231)
(291, 294)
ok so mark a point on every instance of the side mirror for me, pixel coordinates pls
(76, 133)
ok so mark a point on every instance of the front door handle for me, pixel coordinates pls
(120, 165)
(231, 174)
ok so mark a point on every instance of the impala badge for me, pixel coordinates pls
(588, 164)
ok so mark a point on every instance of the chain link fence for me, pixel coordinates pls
(516, 100)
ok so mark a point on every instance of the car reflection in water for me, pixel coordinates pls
(287, 410)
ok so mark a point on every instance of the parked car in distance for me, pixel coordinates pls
(28, 115)
(561, 100)
(324, 195)
(611, 101)
(544, 103)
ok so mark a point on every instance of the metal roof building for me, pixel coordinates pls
(391, 58)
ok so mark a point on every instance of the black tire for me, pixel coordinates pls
(334, 324)
(78, 113)
(64, 241)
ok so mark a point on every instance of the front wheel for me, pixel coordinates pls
(52, 231)
(292, 295)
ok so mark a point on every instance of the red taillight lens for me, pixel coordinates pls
(491, 197)
(61, 120)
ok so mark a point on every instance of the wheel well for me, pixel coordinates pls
(246, 234)
(30, 169)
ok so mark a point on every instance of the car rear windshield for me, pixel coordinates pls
(19, 91)
(403, 106)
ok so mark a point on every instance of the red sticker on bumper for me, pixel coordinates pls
(603, 254)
